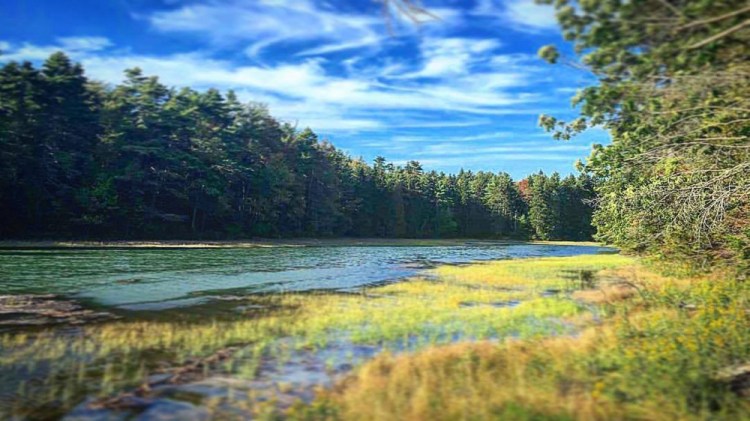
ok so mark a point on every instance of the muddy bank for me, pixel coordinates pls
(43, 310)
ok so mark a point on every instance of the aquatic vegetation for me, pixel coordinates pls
(540, 273)
(587, 337)
(57, 368)
(657, 354)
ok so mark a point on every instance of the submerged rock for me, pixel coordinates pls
(166, 409)
(40, 310)
(738, 379)
(496, 304)
(204, 385)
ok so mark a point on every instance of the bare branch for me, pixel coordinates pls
(672, 7)
(721, 35)
(412, 9)
(714, 19)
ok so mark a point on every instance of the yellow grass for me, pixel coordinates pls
(655, 356)
(630, 345)
(488, 301)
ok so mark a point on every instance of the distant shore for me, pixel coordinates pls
(259, 243)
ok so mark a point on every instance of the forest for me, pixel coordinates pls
(141, 160)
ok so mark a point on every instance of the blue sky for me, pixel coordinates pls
(464, 91)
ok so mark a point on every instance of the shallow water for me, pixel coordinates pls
(243, 346)
(153, 279)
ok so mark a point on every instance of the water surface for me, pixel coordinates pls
(144, 279)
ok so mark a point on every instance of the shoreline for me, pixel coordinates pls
(554, 331)
(272, 243)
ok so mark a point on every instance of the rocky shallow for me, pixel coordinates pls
(42, 310)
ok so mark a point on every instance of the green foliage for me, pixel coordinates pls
(141, 160)
(673, 88)
(560, 209)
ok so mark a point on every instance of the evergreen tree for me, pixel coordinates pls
(141, 160)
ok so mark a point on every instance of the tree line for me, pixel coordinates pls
(140, 160)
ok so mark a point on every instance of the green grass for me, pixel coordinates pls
(456, 303)
(656, 354)
(630, 345)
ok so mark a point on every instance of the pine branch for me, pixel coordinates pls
(715, 19)
(720, 35)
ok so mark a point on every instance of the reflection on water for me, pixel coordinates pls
(150, 279)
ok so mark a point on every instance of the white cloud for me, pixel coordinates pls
(441, 124)
(305, 91)
(272, 21)
(26, 52)
(523, 15)
(308, 93)
(84, 43)
(72, 45)
(495, 161)
(445, 57)
(343, 73)
(457, 149)
(459, 76)
(336, 47)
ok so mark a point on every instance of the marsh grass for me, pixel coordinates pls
(654, 355)
(49, 371)
(588, 337)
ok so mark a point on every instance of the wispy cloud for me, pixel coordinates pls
(305, 91)
(523, 15)
(268, 22)
(441, 124)
(456, 92)
(446, 57)
(495, 136)
(494, 162)
(72, 45)
(84, 43)
(459, 150)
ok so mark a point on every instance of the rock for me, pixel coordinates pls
(38, 310)
(166, 410)
(125, 401)
(737, 377)
(496, 304)
(159, 378)
(250, 308)
(685, 306)
(345, 367)
(129, 281)
(84, 413)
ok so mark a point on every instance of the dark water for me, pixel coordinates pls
(141, 279)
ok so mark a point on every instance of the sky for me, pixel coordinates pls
(464, 90)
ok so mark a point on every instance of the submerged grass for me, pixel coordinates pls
(52, 370)
(587, 337)
(657, 354)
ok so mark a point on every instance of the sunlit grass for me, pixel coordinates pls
(656, 355)
(484, 301)
(591, 337)
(541, 273)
